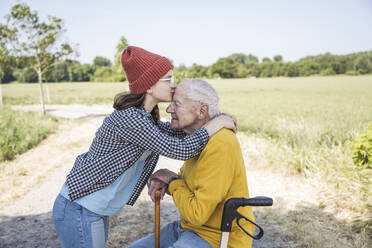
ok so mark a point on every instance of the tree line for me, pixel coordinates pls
(237, 65)
(101, 70)
(240, 65)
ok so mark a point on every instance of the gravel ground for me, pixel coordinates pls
(27, 222)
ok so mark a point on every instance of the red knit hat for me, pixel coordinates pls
(143, 68)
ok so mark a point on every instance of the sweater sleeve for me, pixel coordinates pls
(142, 132)
(210, 186)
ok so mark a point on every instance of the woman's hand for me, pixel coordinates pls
(234, 119)
(221, 121)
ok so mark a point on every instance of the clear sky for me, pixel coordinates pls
(201, 31)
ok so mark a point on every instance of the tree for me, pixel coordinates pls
(80, 72)
(292, 70)
(37, 40)
(307, 67)
(239, 58)
(267, 69)
(118, 70)
(101, 61)
(103, 74)
(252, 58)
(6, 34)
(278, 58)
(25, 75)
(362, 64)
(225, 68)
(197, 71)
(123, 43)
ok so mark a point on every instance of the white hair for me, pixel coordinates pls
(203, 93)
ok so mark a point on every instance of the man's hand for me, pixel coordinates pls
(155, 185)
(163, 175)
(159, 181)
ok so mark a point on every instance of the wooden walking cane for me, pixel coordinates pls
(157, 219)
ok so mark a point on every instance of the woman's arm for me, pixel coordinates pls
(141, 131)
(165, 128)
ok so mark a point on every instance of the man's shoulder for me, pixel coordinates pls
(223, 136)
(225, 140)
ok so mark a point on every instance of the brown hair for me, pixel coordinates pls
(126, 99)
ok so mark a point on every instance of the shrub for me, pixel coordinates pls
(362, 149)
(102, 74)
(327, 72)
(351, 73)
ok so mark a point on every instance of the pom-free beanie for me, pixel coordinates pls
(143, 68)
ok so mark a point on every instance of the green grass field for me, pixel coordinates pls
(305, 124)
(21, 131)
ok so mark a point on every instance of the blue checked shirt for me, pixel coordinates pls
(120, 142)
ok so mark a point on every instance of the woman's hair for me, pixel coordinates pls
(126, 99)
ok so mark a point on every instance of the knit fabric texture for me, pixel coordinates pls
(143, 68)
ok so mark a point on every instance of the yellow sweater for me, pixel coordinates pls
(208, 181)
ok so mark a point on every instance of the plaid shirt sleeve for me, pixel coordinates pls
(141, 131)
(165, 128)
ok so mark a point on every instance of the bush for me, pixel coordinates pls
(327, 72)
(18, 133)
(102, 74)
(362, 149)
(351, 73)
(80, 72)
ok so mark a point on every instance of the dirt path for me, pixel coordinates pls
(27, 222)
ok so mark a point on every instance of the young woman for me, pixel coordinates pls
(124, 152)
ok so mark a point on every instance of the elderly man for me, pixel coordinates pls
(205, 182)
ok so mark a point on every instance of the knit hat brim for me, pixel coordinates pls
(151, 76)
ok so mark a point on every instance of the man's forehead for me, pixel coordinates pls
(179, 93)
(177, 96)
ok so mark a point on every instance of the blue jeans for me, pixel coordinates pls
(78, 227)
(172, 235)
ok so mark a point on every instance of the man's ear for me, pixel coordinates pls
(204, 108)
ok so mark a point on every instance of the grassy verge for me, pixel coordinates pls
(20, 131)
(59, 149)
